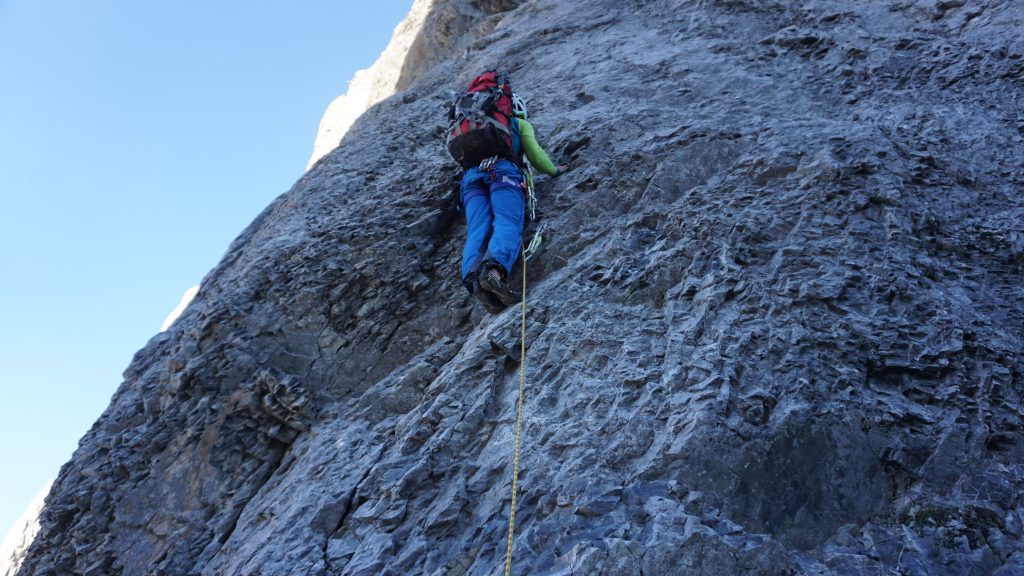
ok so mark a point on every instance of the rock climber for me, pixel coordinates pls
(493, 196)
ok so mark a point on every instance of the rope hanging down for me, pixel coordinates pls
(519, 429)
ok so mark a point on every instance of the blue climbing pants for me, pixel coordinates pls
(493, 200)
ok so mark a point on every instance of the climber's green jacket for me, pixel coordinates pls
(534, 153)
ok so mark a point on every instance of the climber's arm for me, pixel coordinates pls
(534, 153)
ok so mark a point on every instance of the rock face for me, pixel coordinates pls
(775, 327)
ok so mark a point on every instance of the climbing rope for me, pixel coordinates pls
(519, 428)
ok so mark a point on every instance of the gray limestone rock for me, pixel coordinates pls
(775, 327)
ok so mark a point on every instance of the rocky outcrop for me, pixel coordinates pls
(21, 534)
(775, 327)
(186, 299)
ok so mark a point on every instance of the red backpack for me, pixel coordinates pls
(480, 120)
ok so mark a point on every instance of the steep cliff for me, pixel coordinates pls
(775, 328)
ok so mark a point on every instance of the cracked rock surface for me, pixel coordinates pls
(775, 327)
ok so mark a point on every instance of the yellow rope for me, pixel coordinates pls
(519, 429)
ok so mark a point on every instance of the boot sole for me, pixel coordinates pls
(507, 297)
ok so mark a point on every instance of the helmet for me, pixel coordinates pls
(518, 106)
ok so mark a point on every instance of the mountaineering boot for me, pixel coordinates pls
(491, 280)
(490, 302)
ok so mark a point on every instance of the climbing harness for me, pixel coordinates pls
(519, 428)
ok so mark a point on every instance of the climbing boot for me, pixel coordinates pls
(490, 302)
(492, 280)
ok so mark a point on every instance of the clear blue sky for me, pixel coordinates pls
(137, 139)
